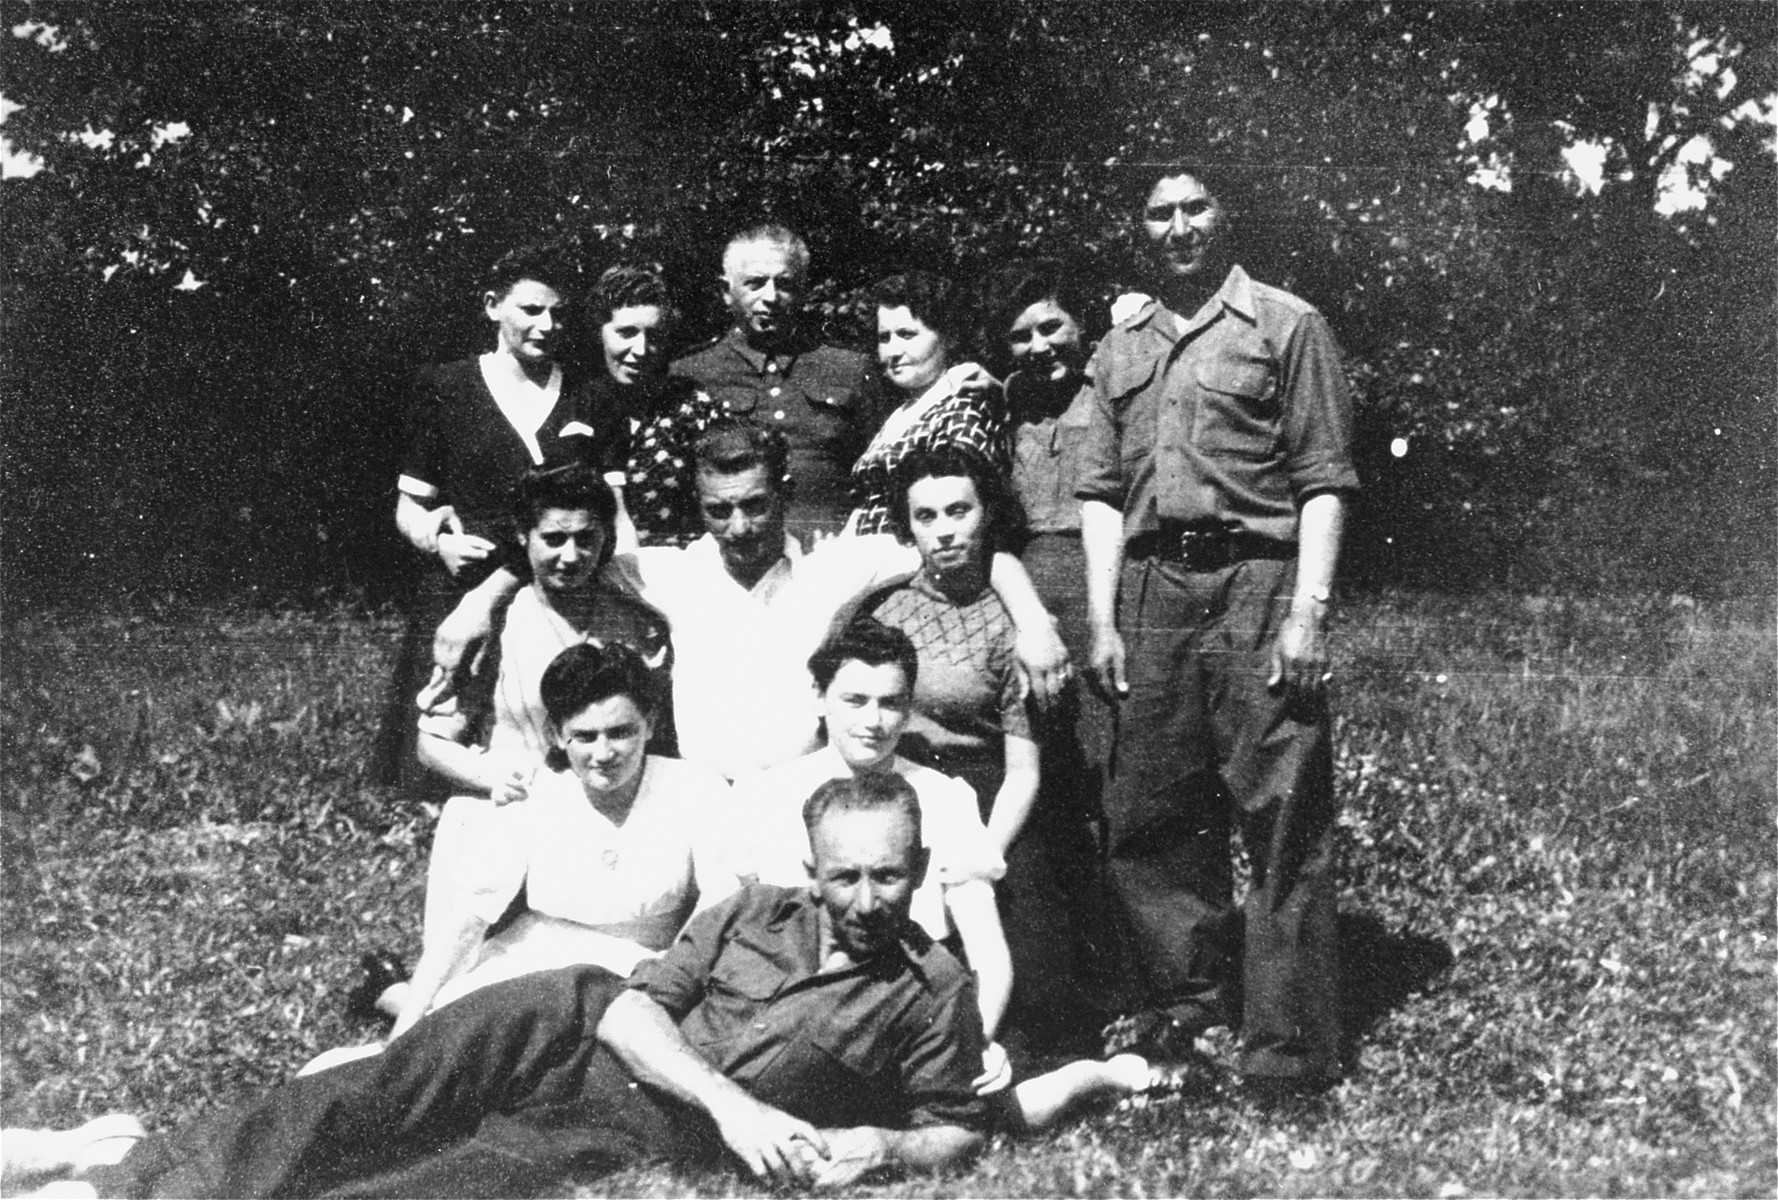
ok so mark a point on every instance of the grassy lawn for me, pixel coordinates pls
(1560, 899)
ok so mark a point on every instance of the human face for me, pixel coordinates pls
(946, 520)
(564, 548)
(744, 512)
(606, 744)
(866, 707)
(762, 288)
(1044, 343)
(912, 353)
(865, 868)
(529, 318)
(1185, 226)
(634, 342)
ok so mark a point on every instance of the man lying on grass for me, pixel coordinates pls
(775, 1010)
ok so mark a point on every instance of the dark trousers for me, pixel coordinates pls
(1053, 901)
(503, 1093)
(1203, 749)
(394, 762)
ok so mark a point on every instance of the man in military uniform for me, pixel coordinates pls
(1215, 470)
(768, 370)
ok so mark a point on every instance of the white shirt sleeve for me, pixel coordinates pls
(478, 854)
(961, 850)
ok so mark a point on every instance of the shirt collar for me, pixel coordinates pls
(759, 359)
(1235, 294)
(798, 908)
(706, 549)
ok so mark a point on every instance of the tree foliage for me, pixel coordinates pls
(1558, 362)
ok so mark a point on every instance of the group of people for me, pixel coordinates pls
(772, 841)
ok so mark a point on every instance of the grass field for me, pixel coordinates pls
(1560, 899)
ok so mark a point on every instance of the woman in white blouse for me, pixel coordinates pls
(603, 860)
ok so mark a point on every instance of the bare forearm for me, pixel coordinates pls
(472, 621)
(973, 912)
(443, 960)
(493, 594)
(1012, 583)
(1017, 794)
(643, 1036)
(1321, 525)
(1102, 544)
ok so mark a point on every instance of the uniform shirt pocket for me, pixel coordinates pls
(747, 972)
(1238, 413)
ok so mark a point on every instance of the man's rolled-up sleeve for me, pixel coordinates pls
(1317, 416)
(677, 979)
(944, 1056)
(1101, 472)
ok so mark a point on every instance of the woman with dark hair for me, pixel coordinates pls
(484, 725)
(1034, 330)
(474, 428)
(971, 720)
(605, 859)
(485, 729)
(634, 314)
(922, 327)
(969, 701)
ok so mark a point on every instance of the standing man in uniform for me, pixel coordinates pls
(767, 370)
(1217, 466)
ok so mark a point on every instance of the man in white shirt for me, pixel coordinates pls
(748, 607)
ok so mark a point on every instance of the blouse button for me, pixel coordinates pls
(779, 414)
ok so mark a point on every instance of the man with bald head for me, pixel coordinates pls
(770, 369)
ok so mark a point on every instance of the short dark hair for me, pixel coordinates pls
(629, 285)
(1010, 289)
(542, 262)
(586, 673)
(1215, 178)
(573, 486)
(869, 641)
(732, 446)
(933, 299)
(1003, 515)
(868, 791)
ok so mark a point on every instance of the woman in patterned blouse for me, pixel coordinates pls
(634, 314)
(921, 326)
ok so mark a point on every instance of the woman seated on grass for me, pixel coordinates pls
(865, 678)
(485, 727)
(601, 863)
(598, 861)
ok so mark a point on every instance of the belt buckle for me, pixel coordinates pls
(1202, 549)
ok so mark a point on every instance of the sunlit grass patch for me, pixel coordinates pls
(1558, 865)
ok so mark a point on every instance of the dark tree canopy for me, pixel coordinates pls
(1583, 382)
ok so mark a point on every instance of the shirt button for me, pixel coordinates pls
(775, 391)
(771, 368)
(779, 414)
